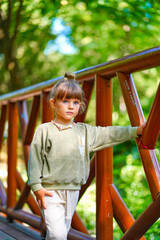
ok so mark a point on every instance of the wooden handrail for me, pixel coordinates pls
(108, 201)
(136, 62)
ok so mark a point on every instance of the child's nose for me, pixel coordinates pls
(70, 105)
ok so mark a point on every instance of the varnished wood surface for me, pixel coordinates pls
(15, 231)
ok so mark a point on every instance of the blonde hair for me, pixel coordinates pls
(68, 88)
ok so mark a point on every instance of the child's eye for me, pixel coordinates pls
(65, 101)
(76, 102)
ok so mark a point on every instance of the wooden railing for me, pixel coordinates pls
(108, 201)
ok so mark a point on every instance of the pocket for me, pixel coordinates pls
(57, 197)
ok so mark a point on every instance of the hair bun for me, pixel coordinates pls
(69, 76)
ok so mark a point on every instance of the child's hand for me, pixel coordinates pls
(40, 197)
(140, 129)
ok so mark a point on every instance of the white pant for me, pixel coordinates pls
(58, 213)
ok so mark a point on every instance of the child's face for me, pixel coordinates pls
(66, 109)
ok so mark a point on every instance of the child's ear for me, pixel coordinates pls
(52, 102)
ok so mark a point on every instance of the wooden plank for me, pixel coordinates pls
(12, 232)
(16, 231)
(5, 236)
(22, 216)
(19, 232)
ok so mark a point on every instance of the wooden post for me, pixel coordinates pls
(104, 162)
(152, 129)
(12, 154)
(148, 157)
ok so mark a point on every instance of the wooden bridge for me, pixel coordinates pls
(109, 203)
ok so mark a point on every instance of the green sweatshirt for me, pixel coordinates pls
(59, 159)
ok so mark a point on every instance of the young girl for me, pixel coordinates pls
(59, 156)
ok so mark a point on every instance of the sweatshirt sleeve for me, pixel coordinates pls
(103, 137)
(35, 163)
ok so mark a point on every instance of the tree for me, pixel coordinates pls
(100, 31)
(24, 32)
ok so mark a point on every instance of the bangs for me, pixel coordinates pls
(69, 90)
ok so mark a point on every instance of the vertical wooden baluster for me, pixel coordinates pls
(135, 113)
(88, 89)
(47, 111)
(104, 161)
(32, 120)
(23, 118)
(12, 153)
(2, 122)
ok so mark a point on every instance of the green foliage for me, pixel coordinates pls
(100, 31)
